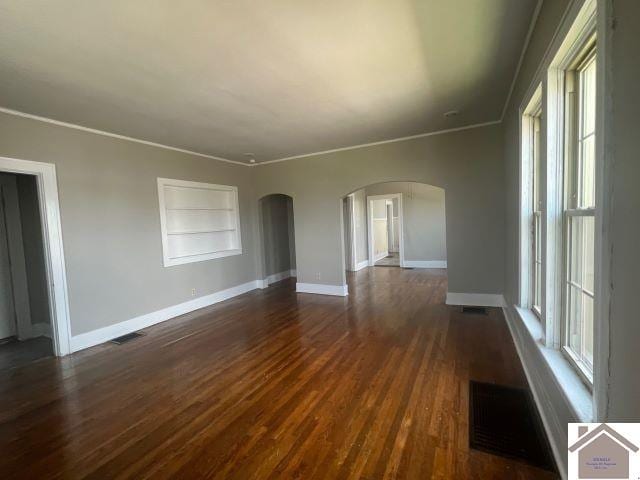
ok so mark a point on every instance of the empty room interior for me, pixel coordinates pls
(339, 239)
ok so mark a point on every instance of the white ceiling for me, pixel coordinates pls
(274, 77)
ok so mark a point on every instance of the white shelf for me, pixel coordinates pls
(200, 208)
(198, 221)
(190, 232)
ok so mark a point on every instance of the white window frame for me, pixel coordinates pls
(572, 209)
(581, 20)
(172, 261)
(528, 117)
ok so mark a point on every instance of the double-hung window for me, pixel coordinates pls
(532, 206)
(579, 212)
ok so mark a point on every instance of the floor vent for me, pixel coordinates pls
(126, 338)
(474, 310)
(504, 421)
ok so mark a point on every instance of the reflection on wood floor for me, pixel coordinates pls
(272, 384)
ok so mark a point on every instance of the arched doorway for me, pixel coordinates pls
(278, 238)
(395, 224)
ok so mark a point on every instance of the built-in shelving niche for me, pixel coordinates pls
(199, 221)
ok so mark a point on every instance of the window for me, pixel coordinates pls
(536, 214)
(199, 221)
(579, 211)
(532, 207)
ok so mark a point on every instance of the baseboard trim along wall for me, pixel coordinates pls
(425, 263)
(379, 256)
(321, 289)
(276, 277)
(101, 335)
(552, 407)
(475, 299)
(361, 265)
(40, 330)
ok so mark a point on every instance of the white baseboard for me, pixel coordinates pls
(40, 330)
(425, 263)
(276, 277)
(321, 289)
(475, 299)
(361, 265)
(543, 392)
(101, 335)
(377, 257)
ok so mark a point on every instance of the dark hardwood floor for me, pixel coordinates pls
(272, 384)
(15, 353)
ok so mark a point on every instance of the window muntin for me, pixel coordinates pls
(579, 213)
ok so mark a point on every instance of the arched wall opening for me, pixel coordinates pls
(395, 224)
(277, 238)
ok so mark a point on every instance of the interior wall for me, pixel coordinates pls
(360, 220)
(111, 223)
(7, 306)
(424, 228)
(292, 234)
(30, 220)
(467, 164)
(277, 228)
(624, 197)
(348, 233)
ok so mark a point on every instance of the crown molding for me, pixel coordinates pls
(382, 142)
(114, 135)
(221, 159)
(527, 39)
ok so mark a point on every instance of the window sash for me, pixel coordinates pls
(579, 232)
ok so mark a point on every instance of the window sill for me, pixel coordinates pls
(568, 380)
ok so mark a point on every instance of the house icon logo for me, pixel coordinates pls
(604, 451)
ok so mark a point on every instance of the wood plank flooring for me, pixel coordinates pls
(272, 384)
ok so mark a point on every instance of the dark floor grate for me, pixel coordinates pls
(126, 338)
(504, 421)
(474, 310)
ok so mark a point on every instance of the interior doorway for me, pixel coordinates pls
(385, 227)
(278, 238)
(394, 224)
(25, 321)
(41, 233)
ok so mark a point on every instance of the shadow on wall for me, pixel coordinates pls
(403, 218)
(278, 238)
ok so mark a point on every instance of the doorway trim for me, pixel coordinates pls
(45, 174)
(387, 196)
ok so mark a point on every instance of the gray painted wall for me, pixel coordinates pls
(111, 228)
(360, 218)
(33, 248)
(277, 227)
(468, 164)
(111, 223)
(424, 218)
(624, 232)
